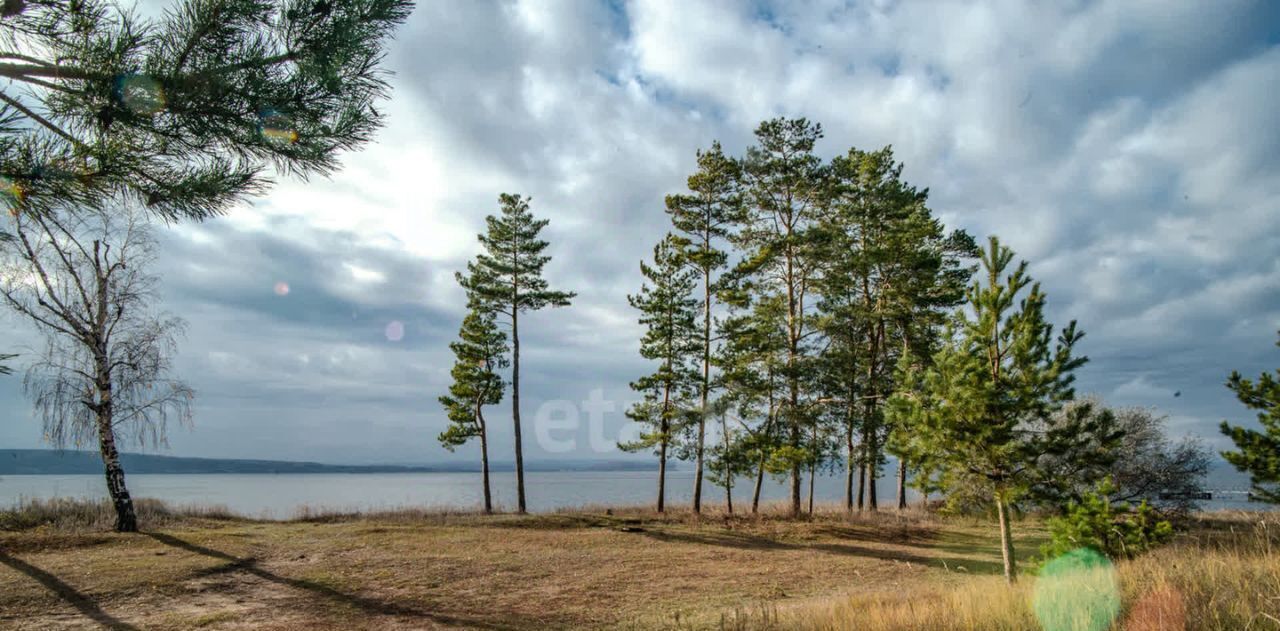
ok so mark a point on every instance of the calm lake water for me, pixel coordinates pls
(283, 495)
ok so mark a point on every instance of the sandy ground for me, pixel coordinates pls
(583, 570)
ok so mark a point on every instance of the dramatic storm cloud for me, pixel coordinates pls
(1129, 150)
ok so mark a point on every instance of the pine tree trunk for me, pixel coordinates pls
(126, 518)
(902, 460)
(484, 463)
(848, 483)
(850, 461)
(813, 468)
(665, 427)
(728, 474)
(871, 456)
(515, 406)
(1006, 540)
(902, 483)
(795, 490)
(795, 465)
(768, 425)
(872, 504)
(862, 477)
(662, 471)
(755, 495)
(793, 352)
(697, 476)
(706, 385)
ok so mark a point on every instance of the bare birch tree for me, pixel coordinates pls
(103, 373)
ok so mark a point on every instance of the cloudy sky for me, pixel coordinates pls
(1130, 150)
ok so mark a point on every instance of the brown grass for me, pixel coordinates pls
(1222, 575)
(78, 515)
(592, 568)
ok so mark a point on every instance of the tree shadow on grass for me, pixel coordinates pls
(86, 605)
(966, 543)
(898, 534)
(364, 603)
(754, 542)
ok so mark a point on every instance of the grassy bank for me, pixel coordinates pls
(591, 568)
(1224, 574)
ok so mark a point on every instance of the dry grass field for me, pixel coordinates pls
(1224, 575)
(602, 569)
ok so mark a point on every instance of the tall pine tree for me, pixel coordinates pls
(1259, 452)
(750, 366)
(506, 279)
(703, 219)
(671, 338)
(984, 411)
(480, 352)
(784, 188)
(891, 272)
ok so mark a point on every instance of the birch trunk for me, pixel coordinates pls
(126, 517)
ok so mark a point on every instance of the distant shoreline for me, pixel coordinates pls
(72, 462)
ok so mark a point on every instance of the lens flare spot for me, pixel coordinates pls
(394, 331)
(276, 128)
(141, 94)
(12, 195)
(282, 288)
(1077, 591)
(1161, 609)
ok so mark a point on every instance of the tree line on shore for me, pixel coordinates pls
(801, 315)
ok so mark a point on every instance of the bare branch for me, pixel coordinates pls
(44, 122)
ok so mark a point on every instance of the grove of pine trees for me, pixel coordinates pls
(823, 318)
(812, 279)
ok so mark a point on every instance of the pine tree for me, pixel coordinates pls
(891, 272)
(186, 111)
(727, 460)
(703, 219)
(784, 188)
(906, 412)
(481, 350)
(749, 367)
(985, 408)
(671, 338)
(929, 283)
(506, 279)
(1259, 452)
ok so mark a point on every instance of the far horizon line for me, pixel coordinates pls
(450, 466)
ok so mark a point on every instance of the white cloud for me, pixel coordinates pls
(1127, 149)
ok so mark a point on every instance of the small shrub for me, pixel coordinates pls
(1119, 532)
